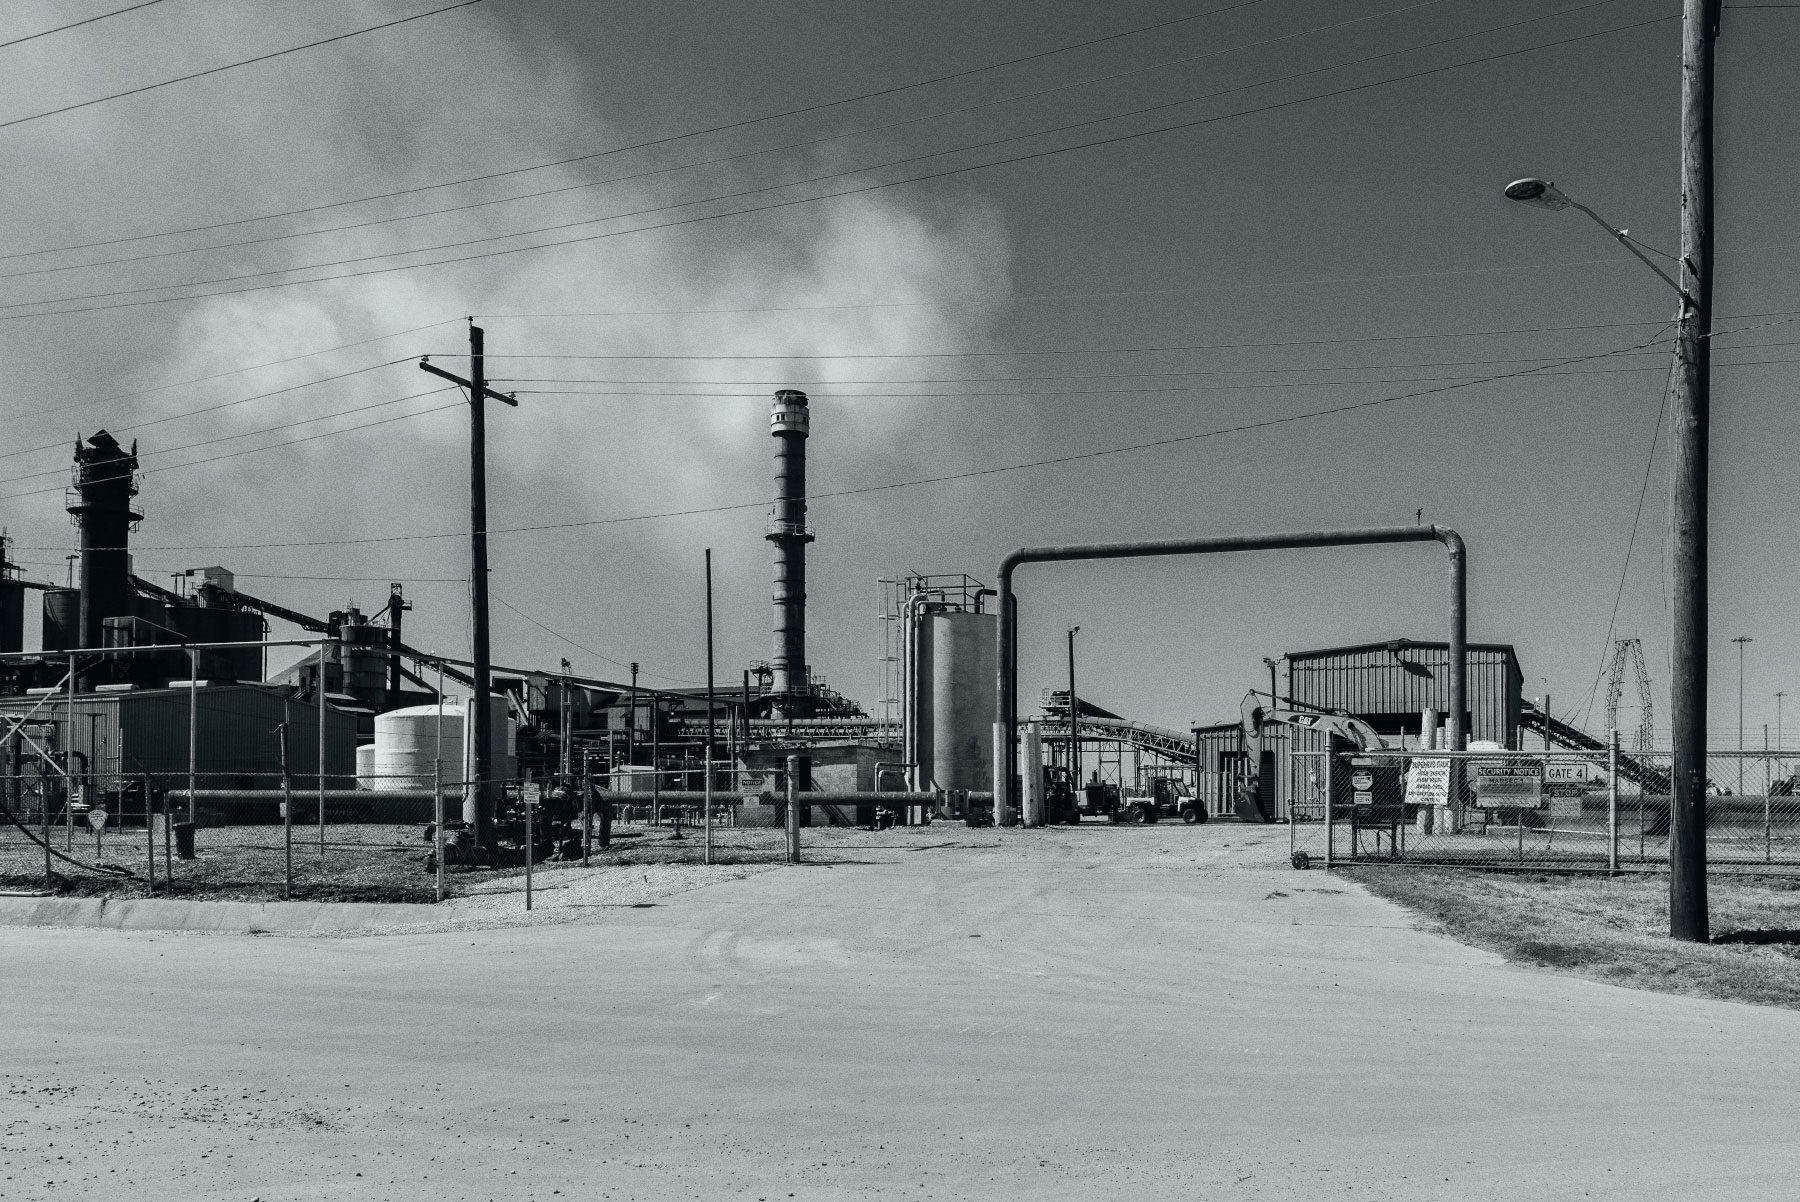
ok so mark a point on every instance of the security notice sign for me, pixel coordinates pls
(1508, 786)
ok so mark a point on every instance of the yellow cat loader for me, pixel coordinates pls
(1255, 799)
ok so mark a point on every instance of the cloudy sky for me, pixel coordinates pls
(983, 237)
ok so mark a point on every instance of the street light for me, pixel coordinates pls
(1689, 388)
(1542, 194)
(1740, 640)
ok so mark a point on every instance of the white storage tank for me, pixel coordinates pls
(407, 748)
(956, 700)
(365, 766)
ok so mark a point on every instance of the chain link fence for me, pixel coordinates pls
(374, 838)
(1543, 809)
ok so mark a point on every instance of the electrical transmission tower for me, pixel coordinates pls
(1633, 650)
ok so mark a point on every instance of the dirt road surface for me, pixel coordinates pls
(1132, 1013)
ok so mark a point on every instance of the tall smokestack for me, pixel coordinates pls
(105, 482)
(790, 532)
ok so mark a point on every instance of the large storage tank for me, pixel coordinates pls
(407, 747)
(365, 767)
(955, 704)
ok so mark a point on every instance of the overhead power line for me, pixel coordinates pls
(773, 205)
(718, 160)
(648, 143)
(44, 33)
(243, 62)
(1073, 457)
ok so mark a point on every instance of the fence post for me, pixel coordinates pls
(530, 840)
(193, 730)
(706, 812)
(437, 784)
(587, 808)
(321, 691)
(149, 829)
(1612, 801)
(168, 837)
(1330, 767)
(793, 809)
(287, 810)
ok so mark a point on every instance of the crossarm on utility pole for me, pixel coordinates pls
(505, 398)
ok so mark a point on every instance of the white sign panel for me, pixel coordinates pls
(1428, 782)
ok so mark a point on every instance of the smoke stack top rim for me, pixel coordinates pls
(788, 413)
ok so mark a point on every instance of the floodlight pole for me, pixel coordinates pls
(481, 788)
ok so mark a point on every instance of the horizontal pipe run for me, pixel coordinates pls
(695, 797)
(1006, 718)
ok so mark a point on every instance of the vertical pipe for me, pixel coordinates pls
(655, 765)
(1689, 413)
(530, 839)
(168, 838)
(69, 764)
(1006, 723)
(793, 809)
(587, 811)
(1612, 801)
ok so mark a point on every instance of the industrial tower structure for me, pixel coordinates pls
(790, 686)
(101, 508)
(1632, 649)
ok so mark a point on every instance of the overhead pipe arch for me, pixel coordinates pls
(1006, 716)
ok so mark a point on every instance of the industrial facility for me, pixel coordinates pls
(162, 698)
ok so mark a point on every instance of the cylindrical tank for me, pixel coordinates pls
(407, 749)
(361, 645)
(956, 742)
(62, 619)
(365, 767)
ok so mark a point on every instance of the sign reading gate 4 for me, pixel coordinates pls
(1508, 786)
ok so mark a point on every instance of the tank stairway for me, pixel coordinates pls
(1571, 738)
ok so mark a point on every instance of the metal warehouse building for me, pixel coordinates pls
(1389, 685)
(145, 731)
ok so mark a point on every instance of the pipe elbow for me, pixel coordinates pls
(1451, 539)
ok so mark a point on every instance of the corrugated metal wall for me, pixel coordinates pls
(147, 731)
(1389, 686)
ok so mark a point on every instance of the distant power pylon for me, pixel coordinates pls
(1615, 687)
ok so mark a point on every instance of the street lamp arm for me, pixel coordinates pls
(1622, 239)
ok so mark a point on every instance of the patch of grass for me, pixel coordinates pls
(1614, 929)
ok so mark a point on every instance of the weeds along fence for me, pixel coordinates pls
(1544, 809)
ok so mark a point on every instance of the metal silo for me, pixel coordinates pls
(957, 671)
(62, 619)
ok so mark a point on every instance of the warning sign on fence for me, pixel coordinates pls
(1428, 782)
(1508, 786)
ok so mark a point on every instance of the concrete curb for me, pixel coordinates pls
(228, 918)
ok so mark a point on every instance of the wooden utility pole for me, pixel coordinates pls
(479, 809)
(1688, 482)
